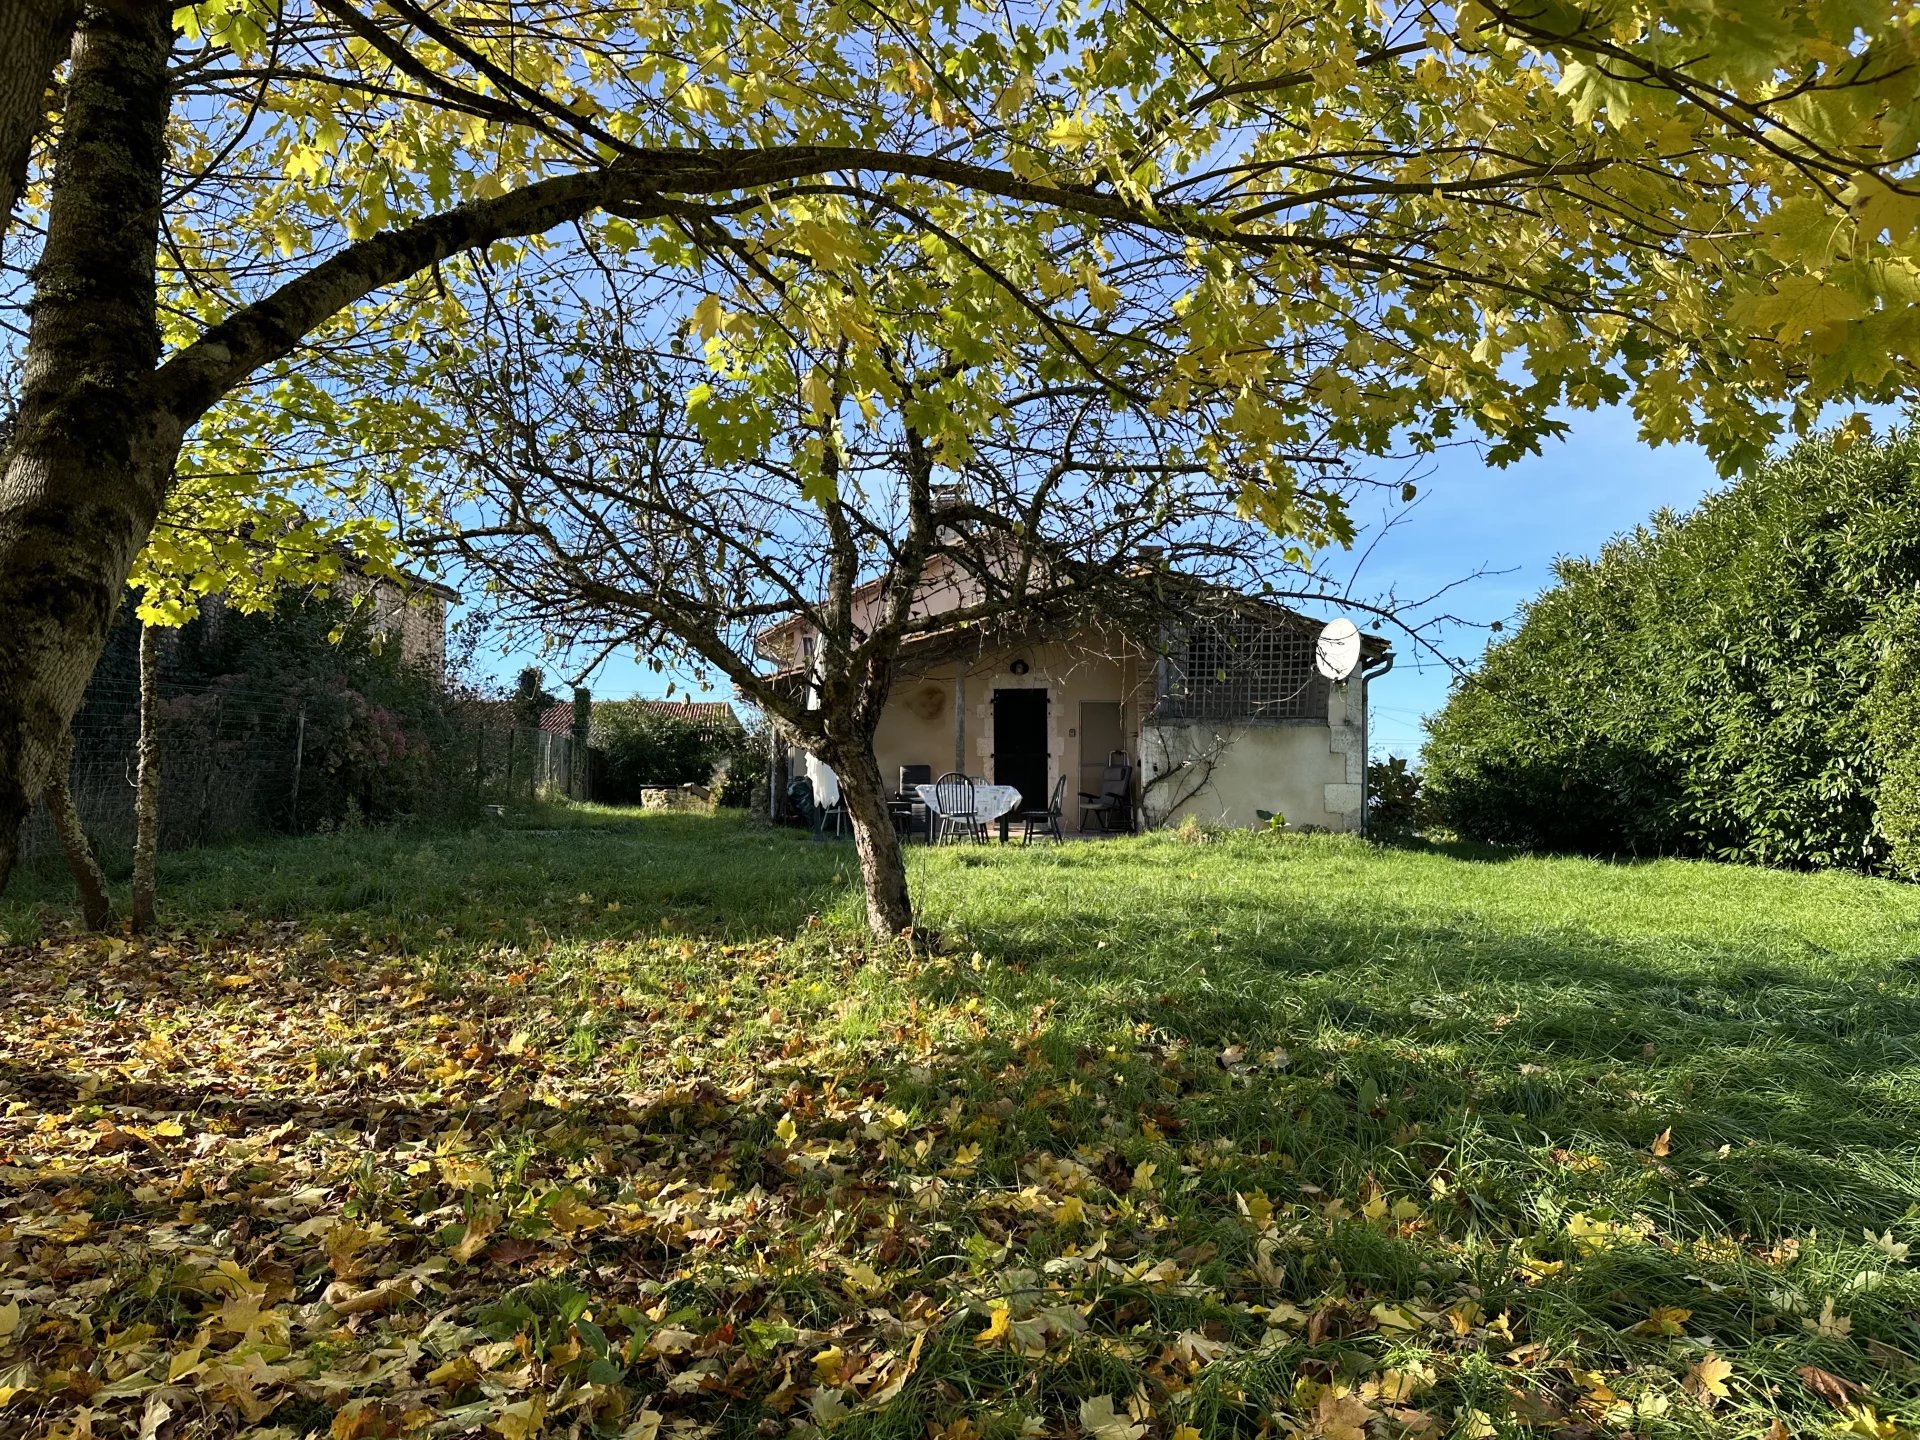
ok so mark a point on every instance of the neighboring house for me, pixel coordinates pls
(1221, 719)
(709, 716)
(411, 609)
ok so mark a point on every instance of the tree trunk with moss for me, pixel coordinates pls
(88, 462)
(95, 908)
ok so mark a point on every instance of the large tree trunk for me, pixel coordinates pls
(95, 908)
(34, 36)
(83, 479)
(146, 794)
(883, 867)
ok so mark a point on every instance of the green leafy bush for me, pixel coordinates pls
(1727, 683)
(1893, 723)
(1396, 800)
(645, 747)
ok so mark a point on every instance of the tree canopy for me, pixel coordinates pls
(1336, 227)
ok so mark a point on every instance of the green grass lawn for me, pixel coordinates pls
(614, 1125)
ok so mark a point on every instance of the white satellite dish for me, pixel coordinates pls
(1337, 653)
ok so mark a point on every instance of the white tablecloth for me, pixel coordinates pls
(826, 785)
(990, 802)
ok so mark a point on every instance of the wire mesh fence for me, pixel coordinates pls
(241, 755)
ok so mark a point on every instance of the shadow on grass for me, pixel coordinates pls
(1320, 1025)
(1785, 1072)
(1477, 852)
(576, 877)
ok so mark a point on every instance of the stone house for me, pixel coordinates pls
(1223, 718)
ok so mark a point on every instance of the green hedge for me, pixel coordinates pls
(1741, 682)
(644, 747)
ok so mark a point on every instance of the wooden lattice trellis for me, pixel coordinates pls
(1241, 668)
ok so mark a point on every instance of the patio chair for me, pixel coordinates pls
(1115, 800)
(910, 814)
(1047, 821)
(954, 808)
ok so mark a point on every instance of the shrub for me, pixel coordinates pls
(1395, 799)
(645, 747)
(1709, 685)
(1893, 725)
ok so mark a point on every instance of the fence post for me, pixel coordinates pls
(299, 759)
(580, 757)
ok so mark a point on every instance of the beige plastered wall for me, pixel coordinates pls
(942, 716)
(1225, 774)
(1313, 774)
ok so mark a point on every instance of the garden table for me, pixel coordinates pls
(990, 803)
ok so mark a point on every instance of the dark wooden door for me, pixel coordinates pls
(1020, 744)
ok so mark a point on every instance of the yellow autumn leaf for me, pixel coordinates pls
(862, 1282)
(1663, 1320)
(1394, 1317)
(829, 1364)
(570, 1215)
(709, 317)
(521, 1420)
(1100, 1419)
(817, 391)
(999, 1321)
(1707, 1380)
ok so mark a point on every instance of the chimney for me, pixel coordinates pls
(940, 497)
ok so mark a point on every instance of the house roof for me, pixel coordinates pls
(411, 584)
(557, 719)
(1042, 623)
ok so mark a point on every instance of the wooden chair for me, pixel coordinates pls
(1045, 821)
(1115, 800)
(954, 808)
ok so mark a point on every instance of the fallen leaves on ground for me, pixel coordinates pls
(281, 1183)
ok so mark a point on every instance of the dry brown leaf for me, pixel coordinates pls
(343, 1301)
(1832, 1388)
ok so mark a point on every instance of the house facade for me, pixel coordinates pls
(408, 609)
(1223, 719)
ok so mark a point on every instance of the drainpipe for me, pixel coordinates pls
(960, 723)
(1367, 677)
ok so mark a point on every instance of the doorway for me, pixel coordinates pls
(1099, 738)
(1020, 744)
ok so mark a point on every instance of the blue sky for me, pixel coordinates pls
(1569, 500)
